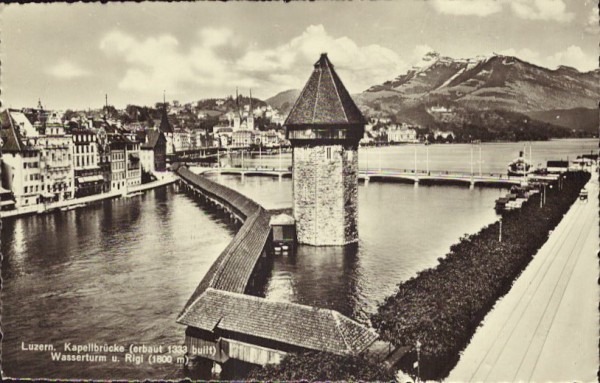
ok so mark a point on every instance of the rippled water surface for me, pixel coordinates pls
(120, 271)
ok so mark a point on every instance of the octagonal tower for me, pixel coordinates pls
(324, 128)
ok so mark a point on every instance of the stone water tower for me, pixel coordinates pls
(324, 128)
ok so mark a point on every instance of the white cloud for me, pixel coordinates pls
(592, 25)
(67, 70)
(158, 63)
(467, 7)
(572, 56)
(358, 66)
(524, 54)
(552, 10)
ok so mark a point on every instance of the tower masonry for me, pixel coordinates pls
(324, 128)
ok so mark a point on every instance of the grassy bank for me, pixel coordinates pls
(441, 307)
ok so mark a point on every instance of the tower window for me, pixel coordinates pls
(328, 153)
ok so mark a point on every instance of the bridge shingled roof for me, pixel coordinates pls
(290, 323)
(232, 270)
(324, 100)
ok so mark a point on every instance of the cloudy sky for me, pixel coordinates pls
(71, 55)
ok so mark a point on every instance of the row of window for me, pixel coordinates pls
(84, 137)
(38, 188)
(85, 149)
(84, 161)
(30, 165)
(118, 176)
(118, 166)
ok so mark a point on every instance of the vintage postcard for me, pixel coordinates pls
(330, 191)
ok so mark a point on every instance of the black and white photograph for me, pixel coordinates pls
(376, 191)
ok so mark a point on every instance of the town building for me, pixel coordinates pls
(242, 138)
(153, 152)
(89, 178)
(134, 166)
(402, 133)
(181, 140)
(324, 128)
(117, 145)
(443, 135)
(56, 162)
(21, 173)
(167, 129)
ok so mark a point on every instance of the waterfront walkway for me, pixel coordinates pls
(166, 179)
(546, 327)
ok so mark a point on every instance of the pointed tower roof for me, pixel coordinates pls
(165, 125)
(324, 100)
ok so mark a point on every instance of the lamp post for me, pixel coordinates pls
(280, 157)
(480, 159)
(500, 231)
(418, 360)
(415, 160)
(427, 158)
(471, 160)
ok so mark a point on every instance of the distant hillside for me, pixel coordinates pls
(577, 118)
(284, 101)
(496, 82)
(512, 94)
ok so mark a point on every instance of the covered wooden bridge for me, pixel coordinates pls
(224, 322)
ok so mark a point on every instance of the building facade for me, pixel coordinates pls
(86, 160)
(133, 172)
(153, 152)
(21, 171)
(57, 171)
(324, 128)
(118, 146)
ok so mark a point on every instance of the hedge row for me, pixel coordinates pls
(441, 307)
(322, 366)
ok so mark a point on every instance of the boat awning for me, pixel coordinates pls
(6, 203)
(4, 191)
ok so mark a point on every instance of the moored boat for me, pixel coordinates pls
(520, 167)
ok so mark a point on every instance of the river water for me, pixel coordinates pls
(120, 271)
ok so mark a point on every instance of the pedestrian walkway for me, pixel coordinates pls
(546, 328)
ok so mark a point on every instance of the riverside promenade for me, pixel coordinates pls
(166, 179)
(546, 327)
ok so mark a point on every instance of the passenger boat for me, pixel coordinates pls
(520, 166)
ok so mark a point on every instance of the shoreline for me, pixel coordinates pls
(168, 179)
(560, 280)
(444, 305)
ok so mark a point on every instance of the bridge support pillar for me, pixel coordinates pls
(472, 184)
(243, 176)
(367, 179)
(280, 177)
(416, 182)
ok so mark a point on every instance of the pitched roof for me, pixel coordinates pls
(324, 100)
(291, 323)
(233, 268)
(152, 138)
(165, 124)
(13, 141)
